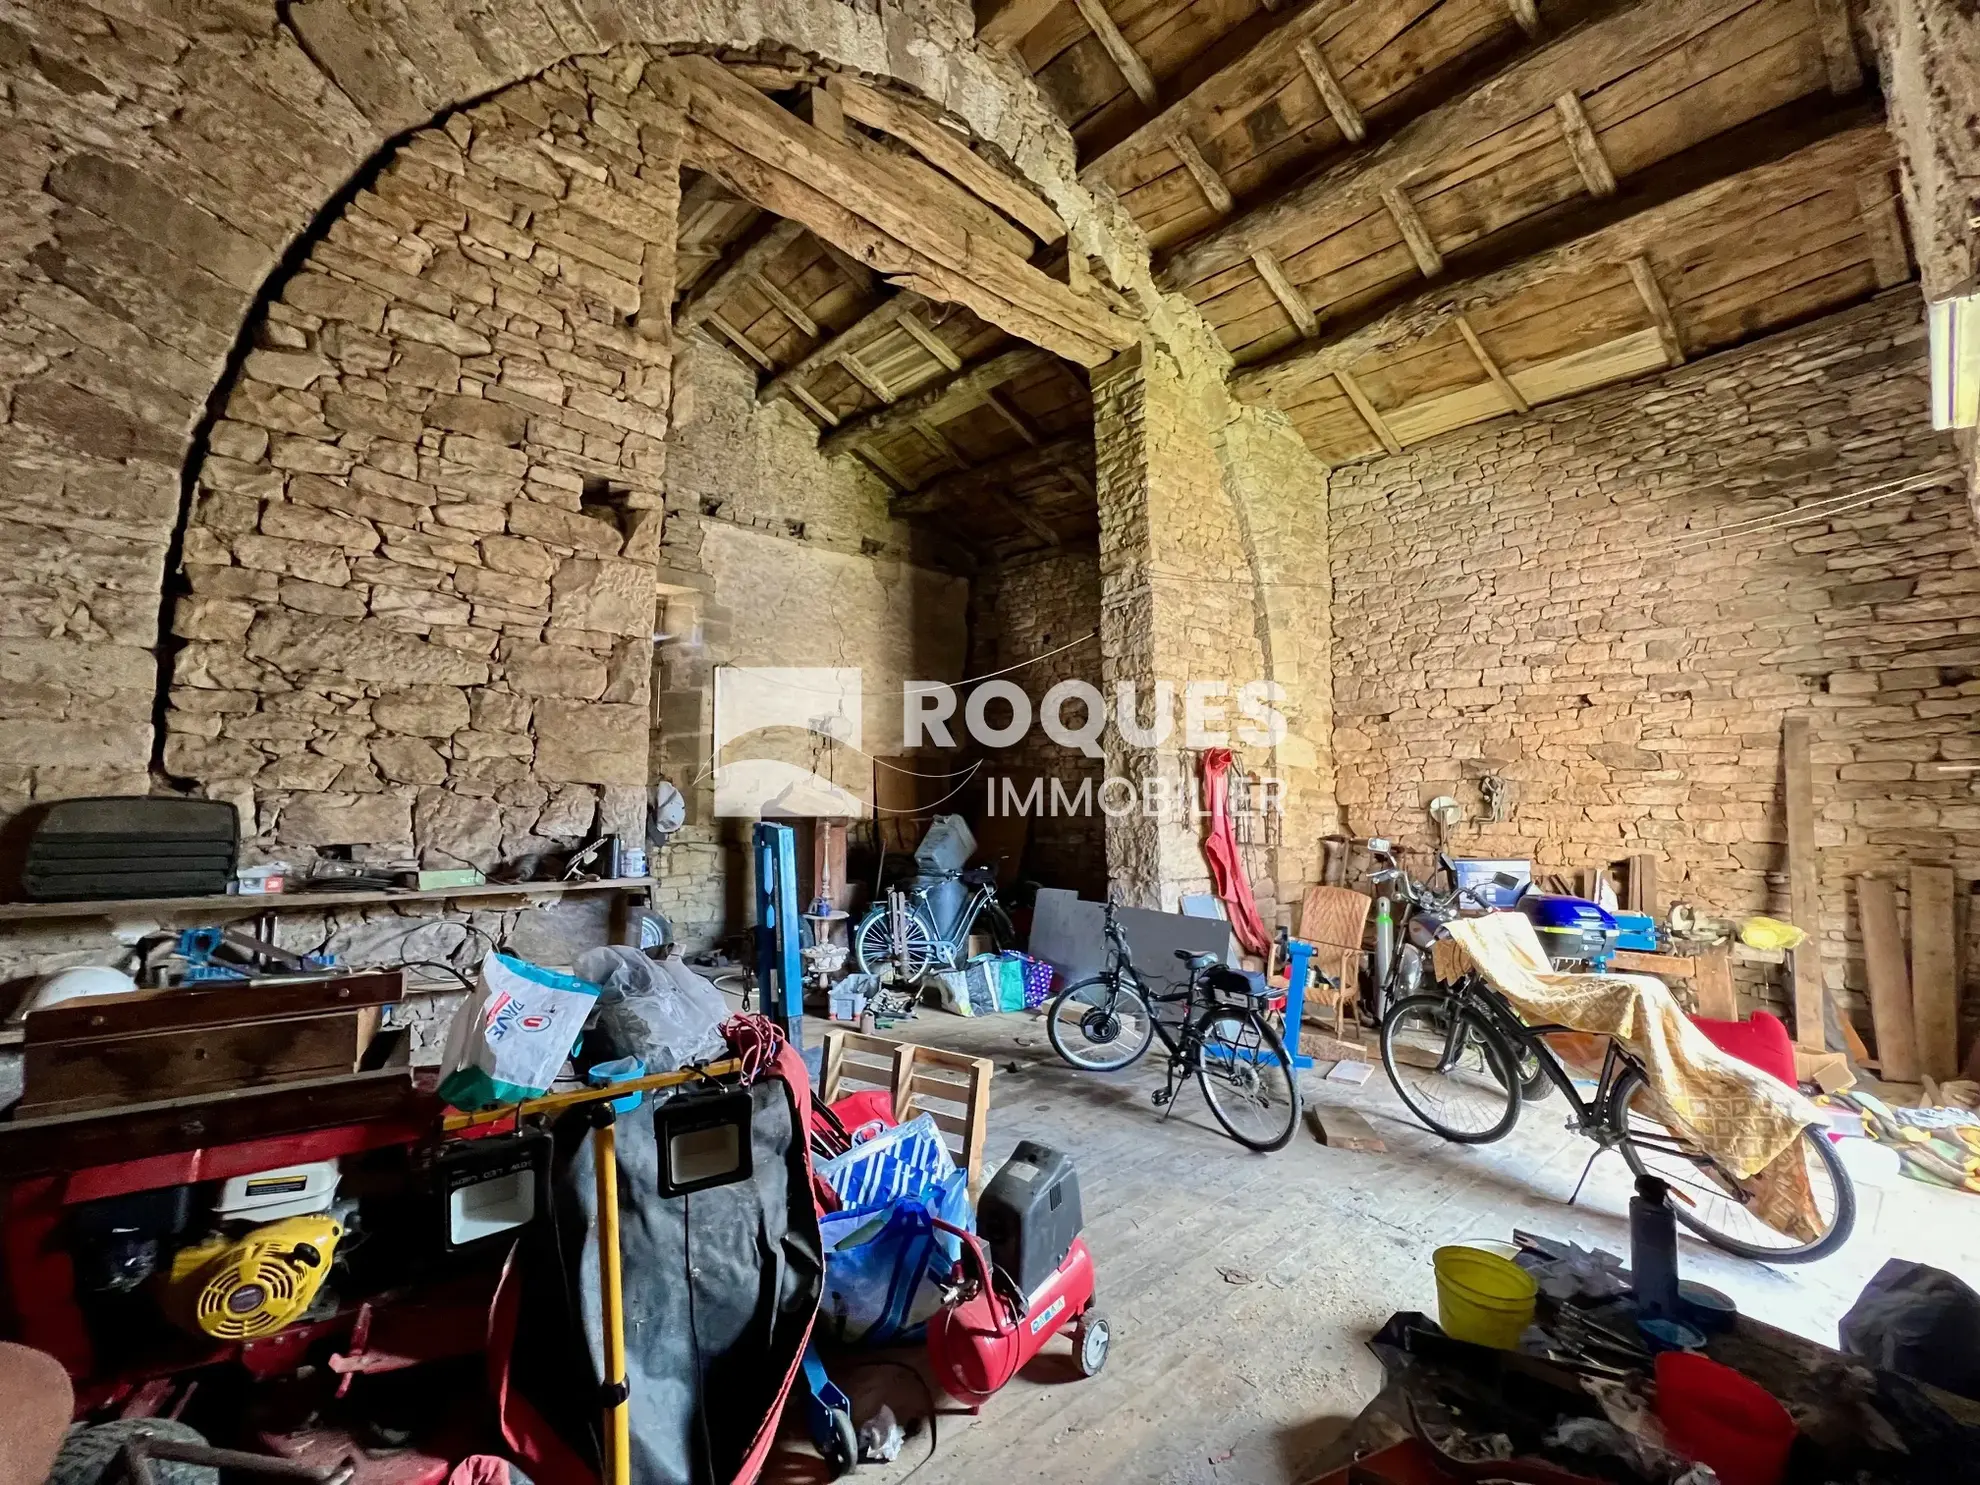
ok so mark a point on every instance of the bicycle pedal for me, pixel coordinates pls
(1160, 1097)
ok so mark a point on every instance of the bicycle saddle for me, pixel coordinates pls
(1194, 960)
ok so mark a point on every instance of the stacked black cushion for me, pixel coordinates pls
(136, 847)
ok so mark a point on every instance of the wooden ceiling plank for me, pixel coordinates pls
(939, 400)
(1004, 23)
(713, 320)
(1846, 154)
(1584, 146)
(885, 467)
(763, 151)
(869, 327)
(823, 413)
(937, 440)
(1019, 424)
(1584, 60)
(743, 263)
(786, 306)
(930, 342)
(1839, 52)
(1202, 172)
(1884, 229)
(1422, 247)
(1347, 118)
(1118, 50)
(1526, 15)
(949, 154)
(997, 474)
(1296, 308)
(860, 372)
(1644, 275)
(1377, 424)
(1514, 397)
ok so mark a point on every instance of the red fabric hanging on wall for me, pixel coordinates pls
(1221, 850)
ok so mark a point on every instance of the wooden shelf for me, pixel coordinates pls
(254, 904)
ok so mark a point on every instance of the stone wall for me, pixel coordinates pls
(421, 554)
(1544, 599)
(1027, 607)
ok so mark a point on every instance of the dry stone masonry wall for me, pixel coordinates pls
(1545, 600)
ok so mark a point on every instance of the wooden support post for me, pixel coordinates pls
(1377, 424)
(1515, 399)
(1207, 180)
(1652, 294)
(1287, 293)
(1712, 982)
(1883, 228)
(1890, 986)
(1589, 159)
(1417, 236)
(1123, 56)
(1804, 889)
(660, 139)
(1934, 973)
(1347, 118)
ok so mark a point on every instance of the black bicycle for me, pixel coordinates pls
(1452, 1058)
(1215, 1027)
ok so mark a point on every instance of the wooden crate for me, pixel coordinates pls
(952, 1089)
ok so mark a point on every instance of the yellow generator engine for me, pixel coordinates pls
(235, 1289)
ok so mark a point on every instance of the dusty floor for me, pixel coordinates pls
(1241, 1287)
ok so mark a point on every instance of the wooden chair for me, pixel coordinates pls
(952, 1089)
(1333, 919)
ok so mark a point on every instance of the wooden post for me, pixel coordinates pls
(1804, 891)
(1934, 973)
(1890, 989)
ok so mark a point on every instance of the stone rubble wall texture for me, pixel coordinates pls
(1025, 607)
(1543, 599)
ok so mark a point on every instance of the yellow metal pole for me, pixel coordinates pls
(556, 1103)
(611, 1299)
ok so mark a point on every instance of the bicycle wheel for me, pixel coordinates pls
(873, 948)
(1247, 1078)
(1711, 1204)
(1451, 1069)
(1534, 1084)
(1100, 1023)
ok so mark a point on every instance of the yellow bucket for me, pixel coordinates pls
(1482, 1297)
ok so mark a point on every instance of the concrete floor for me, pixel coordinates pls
(1241, 1287)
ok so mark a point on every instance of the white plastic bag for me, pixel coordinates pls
(510, 1038)
(658, 1010)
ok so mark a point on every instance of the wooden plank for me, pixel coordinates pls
(1207, 180)
(1347, 118)
(1756, 191)
(1644, 276)
(1934, 973)
(996, 474)
(939, 400)
(1526, 15)
(932, 343)
(68, 1077)
(1884, 230)
(1890, 985)
(869, 327)
(1296, 308)
(789, 308)
(739, 341)
(1585, 60)
(941, 148)
(1804, 889)
(1119, 52)
(884, 467)
(1839, 52)
(1582, 143)
(1515, 399)
(742, 263)
(1369, 415)
(1018, 423)
(1415, 235)
(865, 375)
(818, 409)
(1004, 23)
(1712, 983)
(1642, 894)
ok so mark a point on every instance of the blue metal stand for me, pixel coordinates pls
(1299, 964)
(779, 974)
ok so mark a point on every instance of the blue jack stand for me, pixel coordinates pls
(779, 972)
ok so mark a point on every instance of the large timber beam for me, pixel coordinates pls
(787, 166)
(937, 401)
(1583, 61)
(998, 475)
(1861, 147)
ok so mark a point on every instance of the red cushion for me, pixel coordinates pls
(1762, 1041)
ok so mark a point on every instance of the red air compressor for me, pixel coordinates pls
(1025, 1280)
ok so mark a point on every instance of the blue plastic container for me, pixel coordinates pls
(620, 1070)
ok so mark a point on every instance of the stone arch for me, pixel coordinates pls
(167, 169)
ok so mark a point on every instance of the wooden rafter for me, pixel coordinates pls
(729, 333)
(1839, 52)
(1377, 424)
(1583, 60)
(1202, 172)
(1591, 162)
(1526, 15)
(1883, 228)
(1020, 467)
(743, 262)
(1515, 399)
(1133, 70)
(1018, 423)
(943, 150)
(1347, 118)
(1416, 237)
(930, 342)
(1644, 275)
(785, 165)
(1290, 299)
(937, 401)
(1004, 23)
(1616, 231)
(866, 376)
(786, 306)
(875, 323)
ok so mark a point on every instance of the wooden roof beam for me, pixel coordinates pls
(785, 165)
(1784, 160)
(1377, 424)
(1290, 299)
(1583, 61)
(743, 262)
(938, 401)
(997, 474)
(1884, 229)
(1839, 54)
(1124, 57)
(1416, 237)
(1203, 173)
(1644, 276)
(1515, 399)
(1347, 118)
(1591, 162)
(869, 327)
